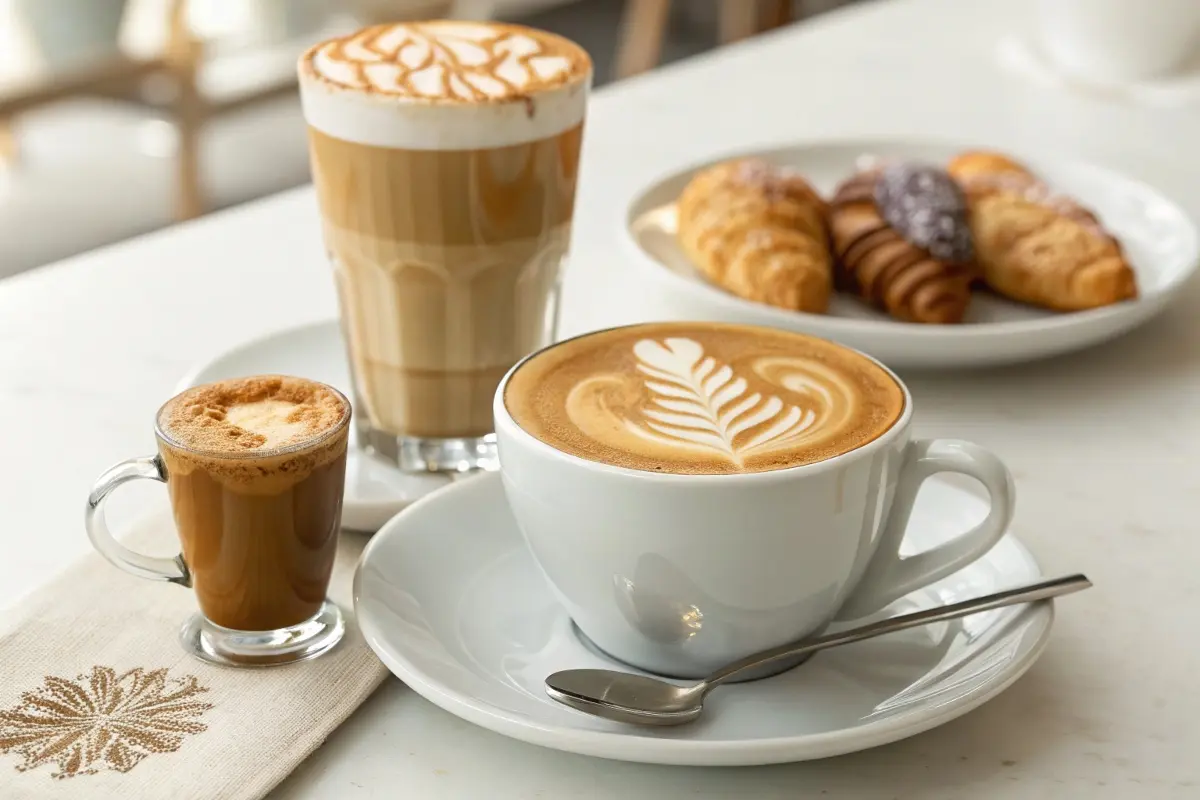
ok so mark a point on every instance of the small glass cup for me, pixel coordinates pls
(258, 531)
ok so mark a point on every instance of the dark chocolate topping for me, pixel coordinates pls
(927, 207)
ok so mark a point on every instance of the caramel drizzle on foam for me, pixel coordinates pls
(694, 404)
(458, 79)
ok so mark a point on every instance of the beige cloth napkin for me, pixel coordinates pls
(98, 700)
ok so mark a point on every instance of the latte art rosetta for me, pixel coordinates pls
(685, 400)
(702, 398)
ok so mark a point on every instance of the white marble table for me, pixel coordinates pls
(1104, 444)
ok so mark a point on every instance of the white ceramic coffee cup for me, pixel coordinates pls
(681, 574)
(1118, 40)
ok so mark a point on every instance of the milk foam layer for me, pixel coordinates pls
(703, 398)
(445, 85)
(279, 422)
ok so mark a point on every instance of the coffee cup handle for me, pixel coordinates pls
(889, 576)
(154, 568)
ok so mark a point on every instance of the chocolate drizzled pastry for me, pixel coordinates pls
(903, 244)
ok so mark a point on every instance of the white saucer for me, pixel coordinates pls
(1160, 240)
(375, 490)
(449, 599)
(1024, 56)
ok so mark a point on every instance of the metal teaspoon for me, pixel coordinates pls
(643, 700)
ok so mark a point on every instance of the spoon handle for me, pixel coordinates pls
(1022, 594)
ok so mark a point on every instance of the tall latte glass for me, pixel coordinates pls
(444, 156)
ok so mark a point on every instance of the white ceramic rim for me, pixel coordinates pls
(786, 319)
(645, 749)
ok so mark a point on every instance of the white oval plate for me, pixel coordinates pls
(375, 490)
(1160, 240)
(450, 600)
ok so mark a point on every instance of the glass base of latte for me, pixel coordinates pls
(416, 454)
(208, 641)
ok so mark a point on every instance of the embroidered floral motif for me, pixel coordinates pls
(102, 721)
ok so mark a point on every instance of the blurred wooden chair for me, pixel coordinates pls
(118, 74)
(177, 55)
(644, 27)
(8, 144)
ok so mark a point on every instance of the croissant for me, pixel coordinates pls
(1035, 246)
(887, 270)
(758, 231)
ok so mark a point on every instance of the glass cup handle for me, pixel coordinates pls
(173, 570)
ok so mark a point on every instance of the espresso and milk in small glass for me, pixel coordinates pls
(255, 468)
(444, 156)
(696, 492)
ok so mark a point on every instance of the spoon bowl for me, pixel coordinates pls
(625, 696)
(645, 700)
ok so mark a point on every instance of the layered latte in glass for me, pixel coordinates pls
(445, 157)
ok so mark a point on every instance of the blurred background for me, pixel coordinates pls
(118, 117)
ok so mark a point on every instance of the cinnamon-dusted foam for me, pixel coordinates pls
(254, 429)
(265, 412)
(702, 398)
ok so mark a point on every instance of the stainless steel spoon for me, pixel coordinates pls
(642, 700)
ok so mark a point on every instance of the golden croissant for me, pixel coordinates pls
(877, 262)
(758, 231)
(1035, 246)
